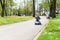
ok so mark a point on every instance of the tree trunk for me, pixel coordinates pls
(3, 8)
(53, 9)
(24, 8)
(6, 13)
(33, 8)
(51, 6)
(19, 13)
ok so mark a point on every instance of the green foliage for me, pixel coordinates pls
(58, 5)
(14, 19)
(10, 8)
(29, 8)
(0, 8)
(21, 11)
(52, 31)
(46, 4)
(6, 6)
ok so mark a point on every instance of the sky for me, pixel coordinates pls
(19, 1)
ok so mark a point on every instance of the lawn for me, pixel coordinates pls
(14, 19)
(52, 30)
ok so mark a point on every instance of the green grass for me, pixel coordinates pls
(14, 19)
(52, 30)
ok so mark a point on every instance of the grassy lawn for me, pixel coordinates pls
(14, 19)
(52, 31)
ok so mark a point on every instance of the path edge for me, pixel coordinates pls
(36, 37)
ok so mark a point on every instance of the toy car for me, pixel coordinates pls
(37, 23)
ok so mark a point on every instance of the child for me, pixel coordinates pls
(37, 22)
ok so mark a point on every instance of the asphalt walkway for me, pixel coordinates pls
(22, 30)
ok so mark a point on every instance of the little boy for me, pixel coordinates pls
(37, 22)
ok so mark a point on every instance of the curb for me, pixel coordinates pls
(36, 37)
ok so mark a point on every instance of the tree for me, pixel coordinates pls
(50, 5)
(33, 8)
(53, 9)
(57, 5)
(4, 6)
(29, 8)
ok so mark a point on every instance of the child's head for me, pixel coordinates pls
(36, 14)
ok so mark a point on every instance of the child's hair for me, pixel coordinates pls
(36, 14)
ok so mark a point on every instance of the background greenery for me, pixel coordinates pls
(14, 19)
(52, 30)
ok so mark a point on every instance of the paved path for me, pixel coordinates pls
(21, 31)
